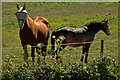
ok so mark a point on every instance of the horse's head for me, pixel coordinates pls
(105, 27)
(21, 15)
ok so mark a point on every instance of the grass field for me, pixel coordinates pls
(61, 14)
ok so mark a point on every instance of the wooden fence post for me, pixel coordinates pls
(102, 46)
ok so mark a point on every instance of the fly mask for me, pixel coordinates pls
(21, 15)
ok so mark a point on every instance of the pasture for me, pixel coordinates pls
(61, 14)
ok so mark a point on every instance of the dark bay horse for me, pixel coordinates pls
(32, 31)
(83, 36)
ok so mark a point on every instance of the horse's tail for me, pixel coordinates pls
(53, 40)
(47, 24)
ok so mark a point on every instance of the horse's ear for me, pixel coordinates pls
(18, 7)
(106, 21)
(24, 7)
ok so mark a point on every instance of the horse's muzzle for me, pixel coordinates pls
(108, 33)
(21, 24)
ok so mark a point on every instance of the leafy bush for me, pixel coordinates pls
(104, 68)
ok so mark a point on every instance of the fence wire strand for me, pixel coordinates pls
(62, 55)
(63, 44)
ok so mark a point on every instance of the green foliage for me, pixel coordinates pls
(104, 68)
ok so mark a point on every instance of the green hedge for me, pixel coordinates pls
(104, 68)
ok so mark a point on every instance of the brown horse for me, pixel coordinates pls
(82, 36)
(32, 31)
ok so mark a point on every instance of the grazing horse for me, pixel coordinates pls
(82, 36)
(32, 31)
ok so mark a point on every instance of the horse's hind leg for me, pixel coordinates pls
(33, 53)
(87, 50)
(43, 51)
(37, 50)
(83, 51)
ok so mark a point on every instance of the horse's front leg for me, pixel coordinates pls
(33, 53)
(87, 50)
(43, 51)
(25, 53)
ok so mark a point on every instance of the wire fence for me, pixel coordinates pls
(63, 54)
(67, 44)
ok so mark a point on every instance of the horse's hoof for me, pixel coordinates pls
(45, 63)
(85, 61)
(81, 60)
(57, 57)
(60, 61)
(53, 56)
(39, 62)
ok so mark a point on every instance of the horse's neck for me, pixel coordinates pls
(94, 29)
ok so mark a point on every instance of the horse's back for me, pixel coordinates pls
(72, 30)
(41, 20)
(67, 32)
(65, 28)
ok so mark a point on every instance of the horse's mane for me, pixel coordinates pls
(94, 22)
